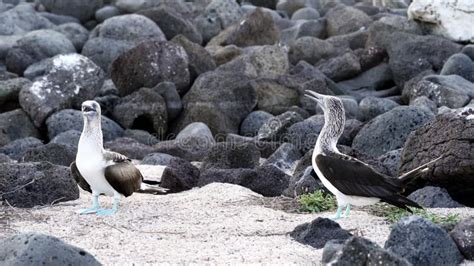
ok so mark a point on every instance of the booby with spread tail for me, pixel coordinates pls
(352, 181)
(102, 172)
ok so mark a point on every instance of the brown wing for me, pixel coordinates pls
(123, 176)
(78, 177)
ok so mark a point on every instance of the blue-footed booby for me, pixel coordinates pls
(352, 181)
(103, 172)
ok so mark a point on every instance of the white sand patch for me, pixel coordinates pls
(216, 224)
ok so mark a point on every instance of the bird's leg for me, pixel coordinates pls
(348, 209)
(338, 213)
(105, 212)
(95, 205)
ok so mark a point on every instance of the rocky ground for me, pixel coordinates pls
(216, 224)
(199, 92)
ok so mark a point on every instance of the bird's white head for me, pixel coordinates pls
(91, 111)
(334, 120)
(329, 104)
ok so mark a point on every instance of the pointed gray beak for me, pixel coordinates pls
(314, 96)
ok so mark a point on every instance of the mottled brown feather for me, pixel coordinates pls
(123, 176)
(78, 177)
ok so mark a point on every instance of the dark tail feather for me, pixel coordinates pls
(416, 173)
(402, 202)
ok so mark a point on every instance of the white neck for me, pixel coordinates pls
(330, 133)
(91, 137)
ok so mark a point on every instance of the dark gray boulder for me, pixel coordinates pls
(118, 34)
(310, 49)
(59, 19)
(129, 147)
(200, 61)
(77, 8)
(258, 28)
(463, 236)
(106, 12)
(36, 46)
(430, 52)
(16, 125)
(304, 183)
(267, 180)
(391, 161)
(69, 80)
(39, 249)
(173, 23)
(422, 243)
(285, 157)
(359, 251)
(69, 119)
(69, 137)
(310, 28)
(218, 15)
(150, 63)
(4, 158)
(179, 175)
(143, 109)
(265, 61)
(318, 232)
(306, 13)
(468, 50)
(26, 185)
(225, 155)
(274, 96)
(342, 67)
(270, 181)
(9, 90)
(448, 135)
(17, 148)
(253, 122)
(452, 91)
(434, 197)
(459, 64)
(344, 19)
(59, 154)
(389, 131)
(221, 100)
(75, 32)
(170, 95)
(371, 107)
(157, 158)
(275, 129)
(372, 82)
(232, 176)
(304, 134)
(192, 143)
(141, 136)
(266, 148)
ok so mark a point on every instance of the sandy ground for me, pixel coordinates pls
(216, 224)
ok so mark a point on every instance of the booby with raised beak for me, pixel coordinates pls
(102, 172)
(352, 181)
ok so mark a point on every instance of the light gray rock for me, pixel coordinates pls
(39, 249)
(69, 80)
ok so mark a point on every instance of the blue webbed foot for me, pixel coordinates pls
(338, 214)
(88, 211)
(106, 212)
